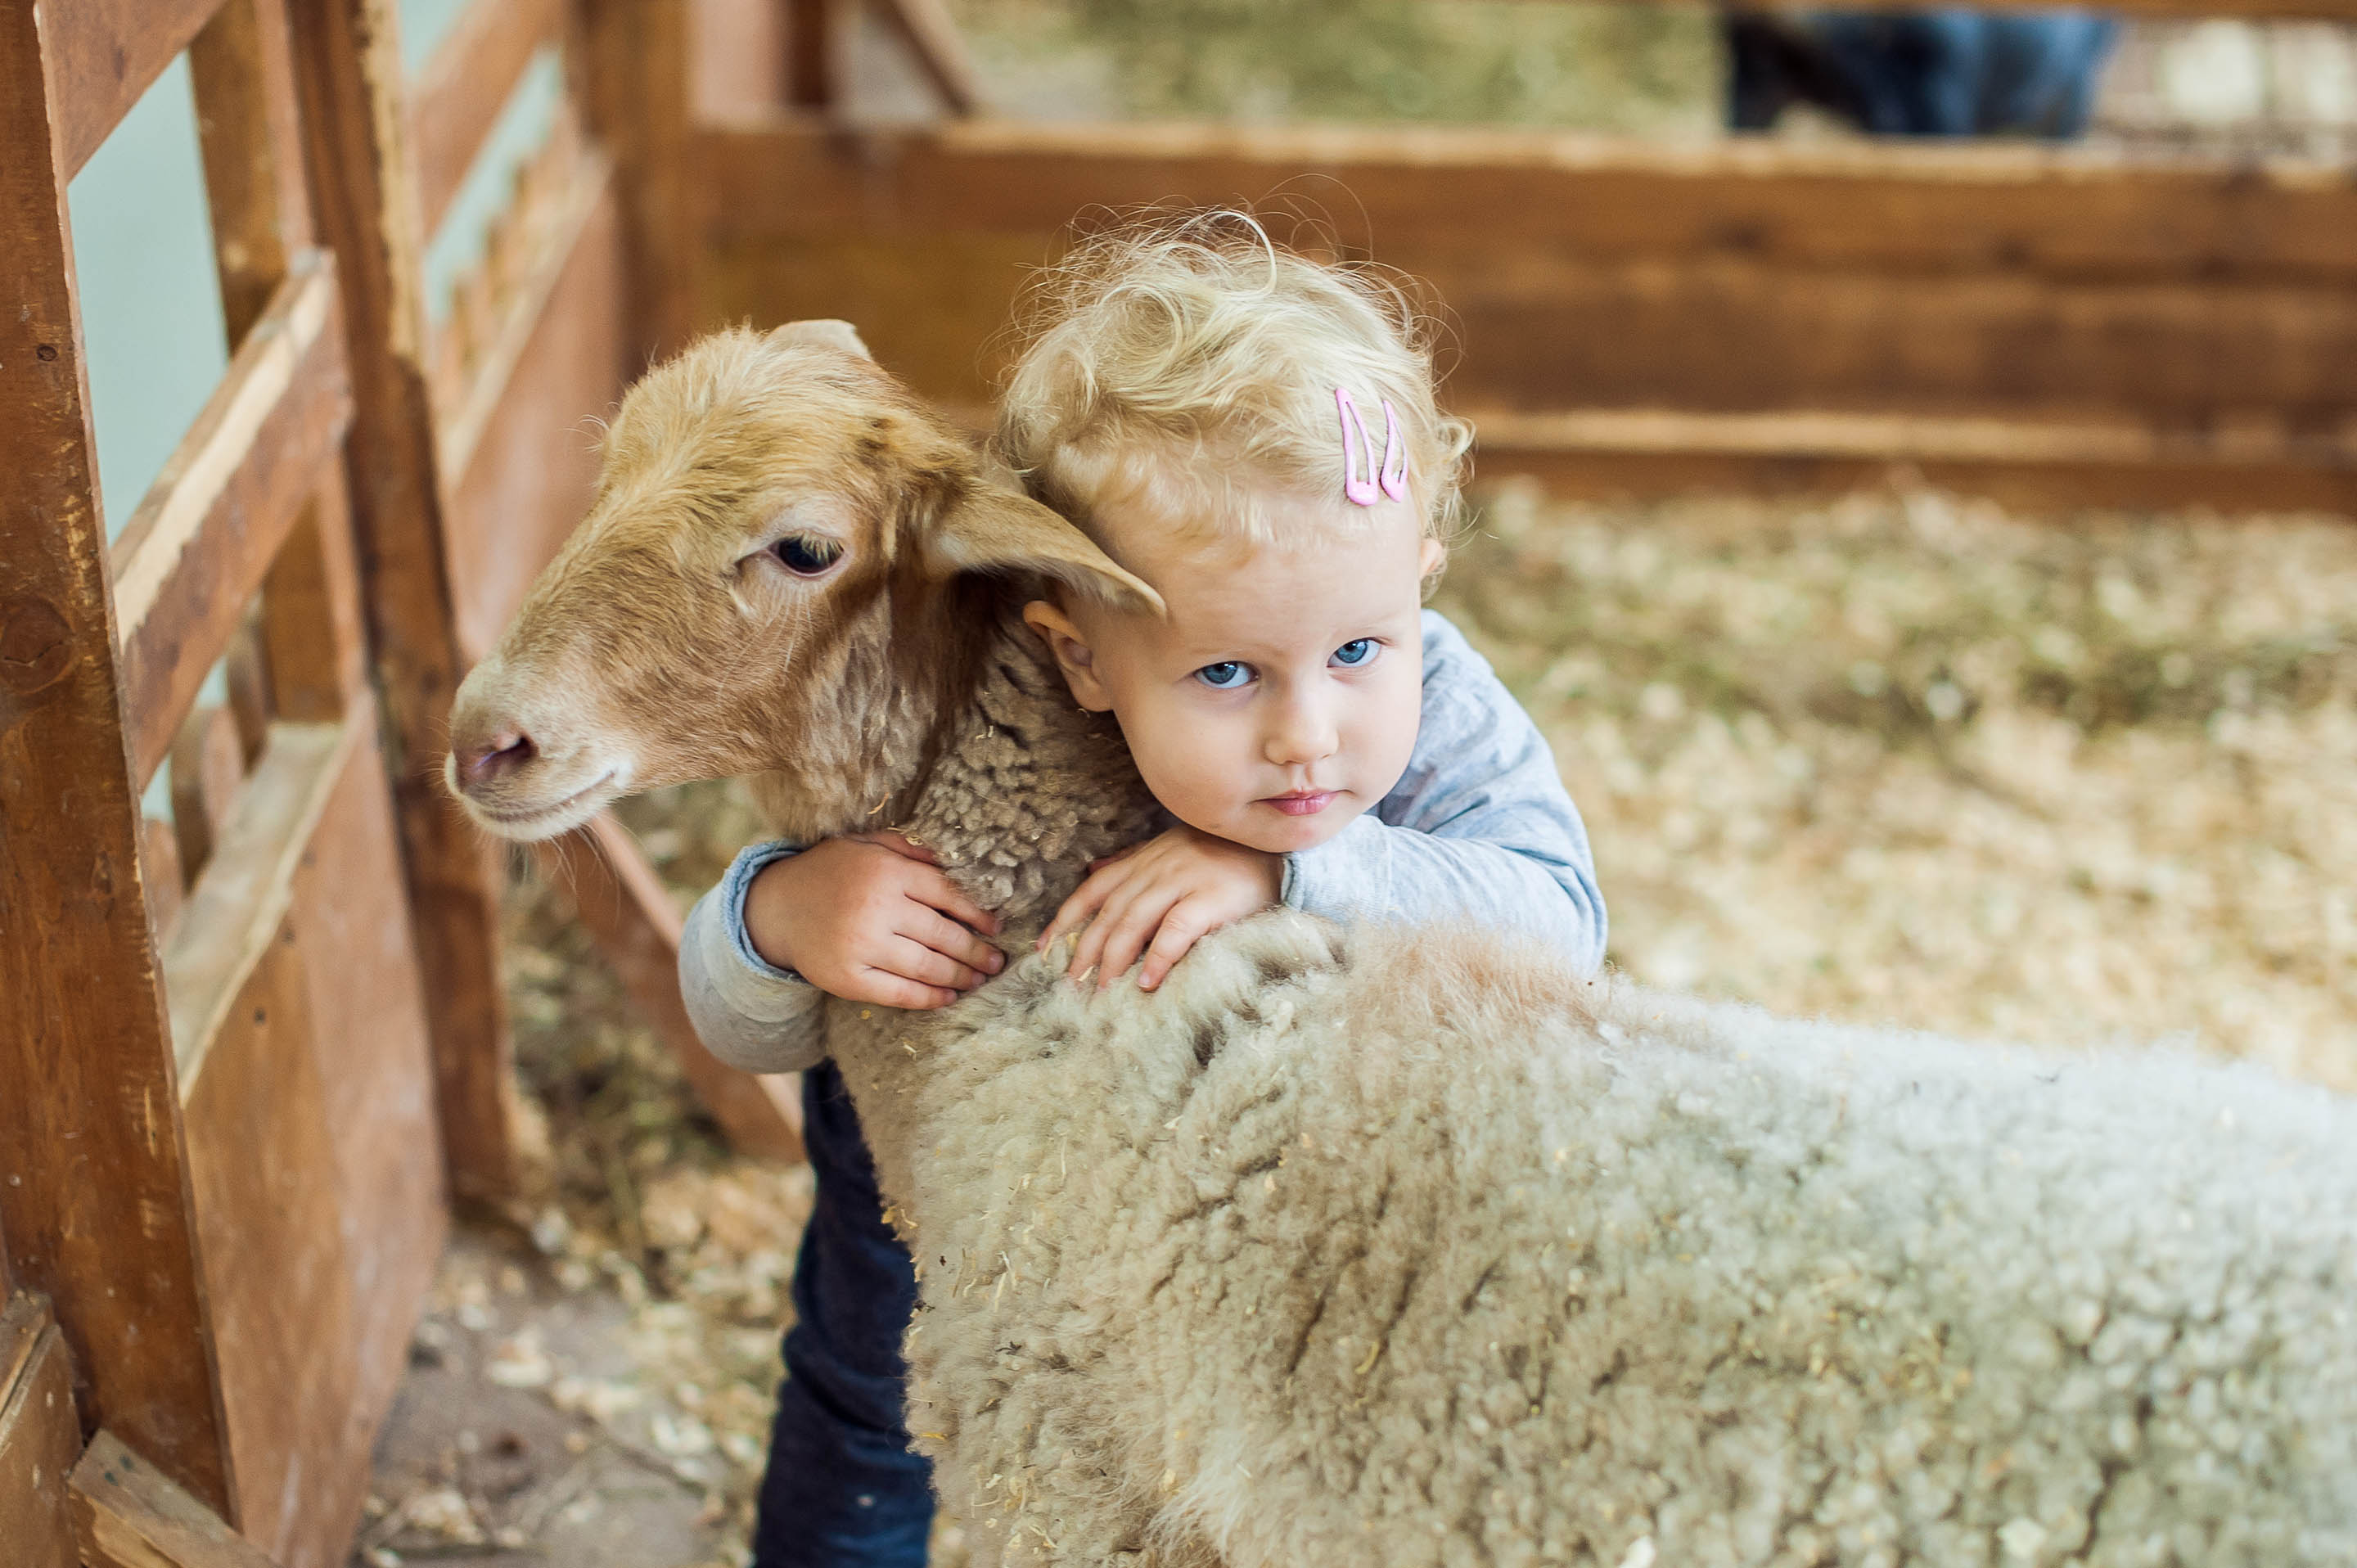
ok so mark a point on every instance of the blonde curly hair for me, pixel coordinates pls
(1184, 367)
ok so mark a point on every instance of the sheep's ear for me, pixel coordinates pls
(991, 529)
(840, 335)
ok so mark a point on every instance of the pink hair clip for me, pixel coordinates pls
(1358, 450)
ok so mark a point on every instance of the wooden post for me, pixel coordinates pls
(348, 67)
(635, 56)
(96, 1197)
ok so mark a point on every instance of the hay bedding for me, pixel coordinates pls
(1897, 757)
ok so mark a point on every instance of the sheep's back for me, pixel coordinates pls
(1421, 1235)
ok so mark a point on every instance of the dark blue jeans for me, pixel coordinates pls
(842, 1487)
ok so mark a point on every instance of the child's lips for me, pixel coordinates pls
(1302, 802)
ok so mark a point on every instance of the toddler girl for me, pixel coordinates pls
(1255, 436)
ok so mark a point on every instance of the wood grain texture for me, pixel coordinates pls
(375, 1065)
(1973, 208)
(40, 1438)
(523, 459)
(468, 82)
(129, 1514)
(250, 134)
(103, 54)
(347, 70)
(87, 1131)
(635, 56)
(630, 914)
(268, 1212)
(203, 540)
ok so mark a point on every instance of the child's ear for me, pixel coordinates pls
(991, 529)
(1074, 655)
(1430, 559)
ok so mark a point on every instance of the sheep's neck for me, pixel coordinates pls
(1026, 787)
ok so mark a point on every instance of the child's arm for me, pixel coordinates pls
(868, 918)
(1477, 828)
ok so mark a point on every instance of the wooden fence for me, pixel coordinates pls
(245, 1059)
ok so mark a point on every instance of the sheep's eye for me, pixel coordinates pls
(805, 556)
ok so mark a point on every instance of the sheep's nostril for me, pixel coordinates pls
(502, 753)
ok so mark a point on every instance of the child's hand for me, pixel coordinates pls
(871, 919)
(1173, 889)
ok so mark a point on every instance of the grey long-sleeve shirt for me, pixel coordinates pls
(1479, 827)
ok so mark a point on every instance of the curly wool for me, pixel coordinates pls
(1413, 1247)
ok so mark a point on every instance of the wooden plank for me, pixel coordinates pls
(520, 453)
(269, 1215)
(348, 68)
(1975, 208)
(818, 45)
(375, 1065)
(87, 1131)
(931, 36)
(129, 1514)
(160, 872)
(251, 136)
(738, 71)
(202, 540)
(623, 903)
(40, 1438)
(459, 94)
(635, 56)
(234, 909)
(2045, 469)
(208, 765)
(102, 55)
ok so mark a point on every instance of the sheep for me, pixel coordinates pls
(1408, 1245)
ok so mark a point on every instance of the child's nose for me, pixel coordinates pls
(1304, 733)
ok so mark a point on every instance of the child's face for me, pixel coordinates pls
(1280, 697)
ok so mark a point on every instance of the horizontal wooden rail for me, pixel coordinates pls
(103, 54)
(2040, 465)
(128, 1516)
(458, 96)
(233, 915)
(2052, 212)
(200, 543)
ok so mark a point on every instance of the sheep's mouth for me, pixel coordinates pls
(542, 822)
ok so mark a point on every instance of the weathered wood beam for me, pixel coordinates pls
(628, 913)
(203, 540)
(635, 57)
(129, 1514)
(88, 1067)
(459, 95)
(2059, 213)
(40, 1436)
(2048, 467)
(233, 912)
(102, 55)
(348, 66)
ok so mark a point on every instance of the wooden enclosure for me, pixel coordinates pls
(247, 1059)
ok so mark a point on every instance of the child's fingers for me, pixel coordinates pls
(1080, 908)
(888, 990)
(930, 887)
(1131, 928)
(954, 943)
(1181, 929)
(913, 959)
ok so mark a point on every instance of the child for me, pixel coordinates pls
(1255, 436)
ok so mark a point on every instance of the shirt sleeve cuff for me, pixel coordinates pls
(749, 863)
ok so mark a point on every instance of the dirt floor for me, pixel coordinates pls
(1902, 757)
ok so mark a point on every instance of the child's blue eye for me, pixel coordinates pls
(1358, 651)
(1224, 676)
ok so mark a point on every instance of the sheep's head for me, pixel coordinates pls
(783, 544)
